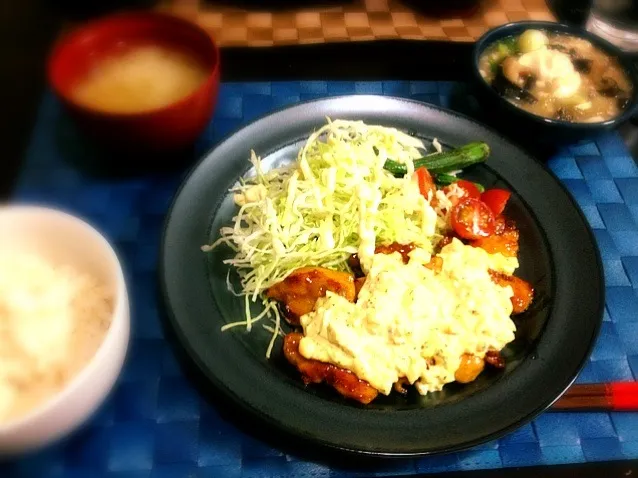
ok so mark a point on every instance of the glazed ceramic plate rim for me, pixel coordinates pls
(228, 366)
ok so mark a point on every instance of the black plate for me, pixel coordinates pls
(554, 338)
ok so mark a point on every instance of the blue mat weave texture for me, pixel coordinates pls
(155, 425)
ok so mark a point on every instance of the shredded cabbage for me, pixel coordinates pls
(334, 200)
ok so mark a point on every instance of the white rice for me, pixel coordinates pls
(52, 321)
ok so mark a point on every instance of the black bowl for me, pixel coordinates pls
(522, 124)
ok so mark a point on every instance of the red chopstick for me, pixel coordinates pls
(615, 396)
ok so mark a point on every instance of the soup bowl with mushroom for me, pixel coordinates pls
(554, 80)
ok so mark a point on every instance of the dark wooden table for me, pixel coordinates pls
(28, 28)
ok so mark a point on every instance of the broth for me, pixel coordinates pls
(557, 76)
(140, 79)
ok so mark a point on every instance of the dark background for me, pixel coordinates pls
(29, 27)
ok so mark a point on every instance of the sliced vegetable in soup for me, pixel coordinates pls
(557, 76)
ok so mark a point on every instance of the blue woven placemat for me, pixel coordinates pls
(155, 425)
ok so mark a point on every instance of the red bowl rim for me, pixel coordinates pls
(68, 37)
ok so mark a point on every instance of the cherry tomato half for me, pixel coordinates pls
(496, 199)
(472, 219)
(468, 190)
(425, 182)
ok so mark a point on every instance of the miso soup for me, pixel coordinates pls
(139, 79)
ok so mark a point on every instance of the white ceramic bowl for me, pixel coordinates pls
(62, 238)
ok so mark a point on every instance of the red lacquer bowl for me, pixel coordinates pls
(172, 127)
